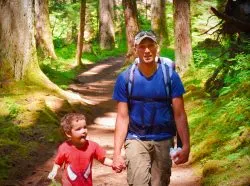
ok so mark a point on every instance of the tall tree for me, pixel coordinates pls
(17, 42)
(74, 27)
(106, 26)
(43, 31)
(158, 21)
(132, 27)
(81, 33)
(18, 57)
(183, 47)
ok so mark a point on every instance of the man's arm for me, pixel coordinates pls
(121, 129)
(182, 128)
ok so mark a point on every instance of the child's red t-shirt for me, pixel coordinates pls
(79, 160)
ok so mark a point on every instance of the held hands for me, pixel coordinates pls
(179, 155)
(118, 163)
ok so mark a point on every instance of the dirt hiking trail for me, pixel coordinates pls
(96, 85)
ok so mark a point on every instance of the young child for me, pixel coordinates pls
(77, 153)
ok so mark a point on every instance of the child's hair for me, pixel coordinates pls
(66, 121)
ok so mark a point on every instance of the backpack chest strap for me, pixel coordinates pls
(143, 99)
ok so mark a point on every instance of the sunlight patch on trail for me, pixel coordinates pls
(108, 120)
(96, 70)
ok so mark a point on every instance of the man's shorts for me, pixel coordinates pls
(148, 162)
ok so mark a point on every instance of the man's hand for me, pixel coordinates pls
(118, 163)
(181, 156)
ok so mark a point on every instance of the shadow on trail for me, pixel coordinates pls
(96, 85)
(31, 139)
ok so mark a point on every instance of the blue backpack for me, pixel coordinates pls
(167, 66)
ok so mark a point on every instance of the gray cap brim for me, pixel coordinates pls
(138, 41)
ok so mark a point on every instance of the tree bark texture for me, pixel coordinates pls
(18, 58)
(183, 47)
(43, 31)
(81, 33)
(17, 42)
(106, 26)
(158, 21)
(132, 27)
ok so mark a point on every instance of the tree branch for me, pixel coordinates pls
(211, 28)
(240, 25)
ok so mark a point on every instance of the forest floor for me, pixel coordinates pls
(96, 85)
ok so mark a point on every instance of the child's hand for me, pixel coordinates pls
(52, 175)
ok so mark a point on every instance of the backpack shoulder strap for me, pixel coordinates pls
(168, 67)
(130, 76)
(168, 62)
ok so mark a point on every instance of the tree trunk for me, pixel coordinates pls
(158, 21)
(18, 58)
(17, 41)
(74, 28)
(183, 47)
(106, 26)
(132, 27)
(43, 31)
(81, 33)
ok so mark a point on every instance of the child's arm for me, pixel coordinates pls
(53, 173)
(107, 162)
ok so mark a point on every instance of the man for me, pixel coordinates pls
(146, 120)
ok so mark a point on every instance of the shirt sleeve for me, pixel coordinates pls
(177, 86)
(120, 89)
(99, 153)
(60, 157)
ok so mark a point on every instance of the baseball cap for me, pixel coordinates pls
(144, 34)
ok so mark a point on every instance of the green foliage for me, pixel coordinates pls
(59, 71)
(207, 53)
(220, 127)
(22, 132)
(63, 16)
(144, 22)
(12, 108)
(55, 183)
(170, 23)
(239, 70)
(168, 52)
(202, 19)
(228, 173)
(213, 166)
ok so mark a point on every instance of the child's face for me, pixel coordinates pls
(78, 132)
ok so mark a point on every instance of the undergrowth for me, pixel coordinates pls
(25, 131)
(219, 119)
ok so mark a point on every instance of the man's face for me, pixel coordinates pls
(146, 50)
